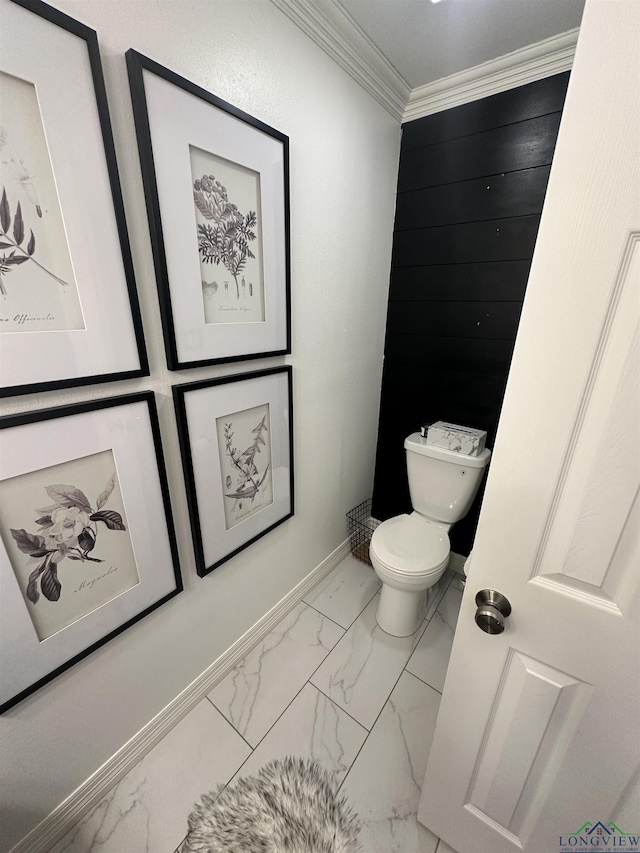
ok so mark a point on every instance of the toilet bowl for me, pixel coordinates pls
(410, 553)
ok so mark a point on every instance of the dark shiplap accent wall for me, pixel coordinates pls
(471, 186)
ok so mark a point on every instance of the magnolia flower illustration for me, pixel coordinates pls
(68, 529)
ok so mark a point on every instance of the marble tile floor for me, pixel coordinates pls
(327, 684)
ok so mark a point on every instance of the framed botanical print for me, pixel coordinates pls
(87, 545)
(217, 188)
(69, 311)
(236, 437)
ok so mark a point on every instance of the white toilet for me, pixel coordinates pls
(410, 552)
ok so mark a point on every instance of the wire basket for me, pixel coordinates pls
(360, 527)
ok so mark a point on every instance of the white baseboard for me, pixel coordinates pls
(456, 562)
(86, 796)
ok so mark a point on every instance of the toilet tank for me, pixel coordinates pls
(442, 483)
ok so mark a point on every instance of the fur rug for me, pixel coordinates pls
(289, 807)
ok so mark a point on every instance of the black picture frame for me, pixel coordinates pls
(192, 340)
(101, 257)
(200, 406)
(128, 427)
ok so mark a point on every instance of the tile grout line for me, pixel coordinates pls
(368, 731)
(334, 704)
(426, 683)
(373, 725)
(355, 619)
(278, 718)
(226, 719)
(340, 640)
(322, 693)
(446, 590)
(339, 707)
(254, 748)
(328, 652)
(286, 708)
(404, 670)
(324, 615)
(308, 681)
(380, 712)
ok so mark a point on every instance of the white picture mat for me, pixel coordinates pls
(203, 406)
(57, 62)
(127, 431)
(178, 119)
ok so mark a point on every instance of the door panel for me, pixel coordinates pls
(537, 735)
(536, 709)
(598, 484)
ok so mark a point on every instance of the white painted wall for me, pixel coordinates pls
(344, 157)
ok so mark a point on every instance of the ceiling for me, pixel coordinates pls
(425, 41)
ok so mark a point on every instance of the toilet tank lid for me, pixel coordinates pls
(417, 444)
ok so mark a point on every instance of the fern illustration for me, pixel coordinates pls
(226, 240)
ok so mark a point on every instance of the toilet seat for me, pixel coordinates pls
(410, 546)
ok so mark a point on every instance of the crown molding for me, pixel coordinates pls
(534, 62)
(331, 27)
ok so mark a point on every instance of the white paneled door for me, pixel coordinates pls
(538, 735)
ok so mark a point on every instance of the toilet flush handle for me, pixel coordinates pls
(493, 610)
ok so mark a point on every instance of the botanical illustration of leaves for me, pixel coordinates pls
(32, 587)
(18, 226)
(47, 510)
(68, 496)
(103, 497)
(5, 212)
(203, 206)
(243, 493)
(112, 519)
(31, 245)
(28, 542)
(44, 521)
(5, 245)
(62, 551)
(50, 584)
(16, 260)
(264, 476)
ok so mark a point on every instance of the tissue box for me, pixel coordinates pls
(454, 437)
